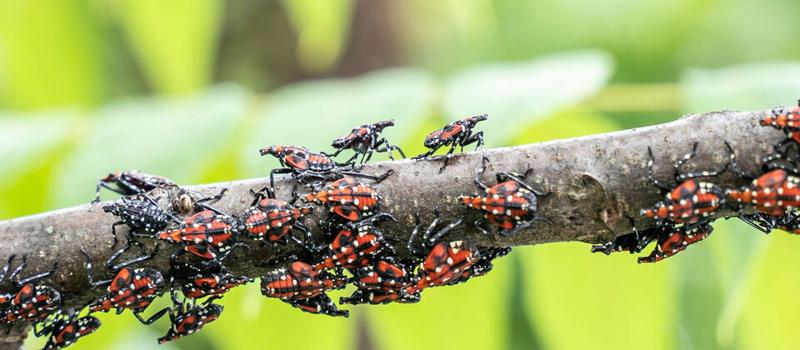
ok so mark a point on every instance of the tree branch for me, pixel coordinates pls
(595, 182)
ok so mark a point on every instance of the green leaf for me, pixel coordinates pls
(313, 114)
(177, 139)
(174, 41)
(48, 54)
(741, 87)
(515, 93)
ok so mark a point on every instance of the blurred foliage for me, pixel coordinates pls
(173, 41)
(87, 87)
(322, 26)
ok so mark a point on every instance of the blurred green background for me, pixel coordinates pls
(191, 89)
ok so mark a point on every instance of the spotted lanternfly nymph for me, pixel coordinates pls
(65, 330)
(672, 241)
(348, 198)
(786, 120)
(443, 262)
(789, 222)
(632, 242)
(483, 265)
(214, 280)
(187, 318)
(305, 166)
(691, 201)
(365, 140)
(273, 219)
(132, 182)
(774, 193)
(131, 288)
(511, 204)
(206, 234)
(382, 282)
(32, 302)
(142, 215)
(356, 245)
(303, 287)
(456, 134)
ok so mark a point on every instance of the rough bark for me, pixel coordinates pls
(595, 183)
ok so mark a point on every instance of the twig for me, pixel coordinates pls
(596, 182)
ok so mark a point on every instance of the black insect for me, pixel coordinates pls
(142, 215)
(128, 183)
(632, 242)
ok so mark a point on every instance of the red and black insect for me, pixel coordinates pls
(128, 183)
(213, 281)
(673, 240)
(303, 287)
(511, 204)
(187, 318)
(131, 288)
(382, 282)
(444, 262)
(483, 265)
(347, 198)
(273, 219)
(691, 201)
(302, 164)
(65, 330)
(774, 193)
(786, 120)
(456, 134)
(207, 234)
(365, 140)
(32, 302)
(305, 165)
(356, 245)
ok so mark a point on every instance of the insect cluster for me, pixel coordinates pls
(685, 215)
(347, 247)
